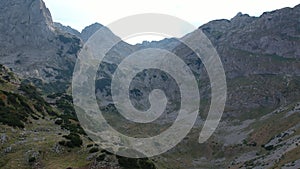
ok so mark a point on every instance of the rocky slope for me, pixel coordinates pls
(39, 127)
(259, 128)
(85, 34)
(262, 66)
(32, 46)
(43, 132)
(260, 57)
(262, 50)
(19, 101)
(67, 29)
(88, 31)
(45, 56)
(271, 38)
(261, 60)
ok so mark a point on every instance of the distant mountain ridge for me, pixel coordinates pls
(259, 128)
(272, 36)
(85, 34)
(67, 29)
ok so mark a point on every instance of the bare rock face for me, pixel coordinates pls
(88, 31)
(25, 16)
(67, 29)
(260, 56)
(268, 44)
(32, 46)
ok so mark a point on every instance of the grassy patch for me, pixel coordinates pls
(268, 129)
(289, 157)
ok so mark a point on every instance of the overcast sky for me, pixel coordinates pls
(81, 13)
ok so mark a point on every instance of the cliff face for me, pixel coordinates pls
(262, 65)
(260, 125)
(84, 35)
(67, 29)
(88, 31)
(25, 22)
(31, 45)
(260, 56)
(268, 44)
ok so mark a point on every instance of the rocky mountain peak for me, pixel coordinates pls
(272, 33)
(241, 19)
(25, 16)
(30, 43)
(67, 29)
(259, 127)
(88, 31)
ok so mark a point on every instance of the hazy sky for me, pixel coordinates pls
(81, 13)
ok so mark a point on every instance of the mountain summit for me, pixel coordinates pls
(32, 46)
(40, 129)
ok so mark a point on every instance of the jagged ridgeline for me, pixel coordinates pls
(38, 124)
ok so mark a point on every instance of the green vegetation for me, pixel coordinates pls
(100, 157)
(65, 39)
(73, 41)
(49, 88)
(74, 140)
(290, 156)
(133, 163)
(31, 160)
(17, 106)
(15, 109)
(94, 150)
(36, 97)
(64, 104)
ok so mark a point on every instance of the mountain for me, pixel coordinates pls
(88, 31)
(67, 29)
(39, 127)
(84, 35)
(259, 128)
(260, 125)
(32, 46)
(30, 17)
(43, 132)
(262, 65)
(264, 49)
(272, 37)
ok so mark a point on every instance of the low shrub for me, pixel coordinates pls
(94, 150)
(73, 140)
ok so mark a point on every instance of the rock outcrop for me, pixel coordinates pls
(67, 29)
(260, 125)
(268, 44)
(88, 31)
(32, 46)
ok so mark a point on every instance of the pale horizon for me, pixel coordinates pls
(78, 13)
